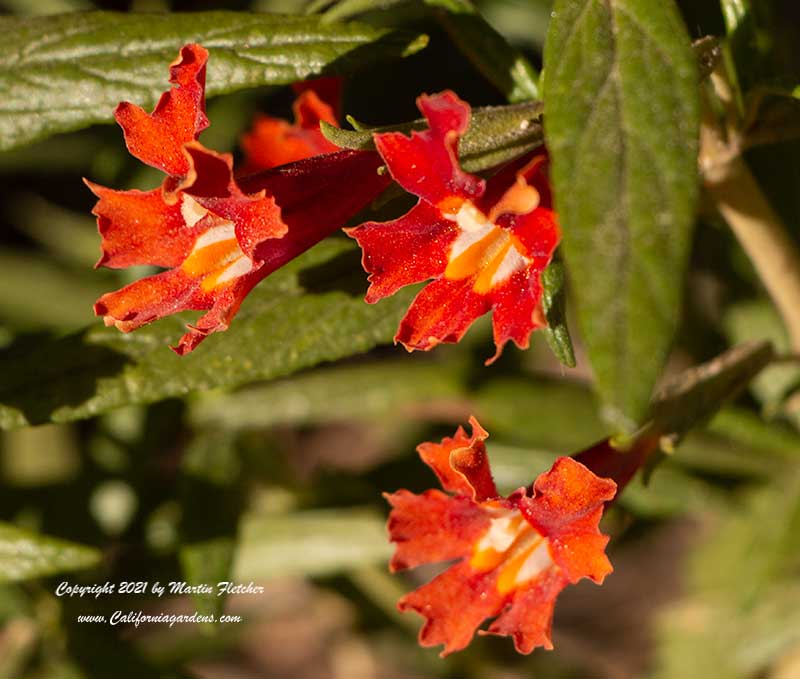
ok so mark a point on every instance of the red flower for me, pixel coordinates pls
(516, 553)
(485, 244)
(274, 141)
(217, 237)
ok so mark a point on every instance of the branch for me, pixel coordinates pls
(742, 204)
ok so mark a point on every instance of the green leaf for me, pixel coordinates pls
(36, 293)
(565, 415)
(314, 542)
(621, 91)
(696, 394)
(554, 306)
(759, 320)
(25, 555)
(502, 64)
(345, 9)
(310, 311)
(351, 392)
(71, 237)
(66, 72)
(497, 134)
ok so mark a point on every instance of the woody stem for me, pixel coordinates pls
(758, 228)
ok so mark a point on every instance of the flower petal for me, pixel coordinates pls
(426, 163)
(441, 312)
(273, 141)
(256, 217)
(328, 89)
(529, 617)
(158, 138)
(225, 304)
(432, 527)
(314, 205)
(171, 292)
(515, 315)
(150, 298)
(454, 603)
(139, 227)
(386, 246)
(461, 464)
(567, 506)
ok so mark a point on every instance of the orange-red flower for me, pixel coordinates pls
(485, 244)
(515, 554)
(274, 141)
(216, 236)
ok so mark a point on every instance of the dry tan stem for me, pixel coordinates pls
(760, 231)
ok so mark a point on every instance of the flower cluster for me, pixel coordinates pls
(485, 244)
(218, 236)
(515, 553)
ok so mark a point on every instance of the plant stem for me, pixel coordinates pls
(764, 238)
(742, 204)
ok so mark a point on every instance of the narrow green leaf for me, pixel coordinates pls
(553, 304)
(315, 542)
(501, 63)
(346, 9)
(566, 419)
(351, 392)
(70, 236)
(497, 134)
(698, 393)
(25, 555)
(66, 72)
(310, 311)
(759, 320)
(36, 293)
(621, 87)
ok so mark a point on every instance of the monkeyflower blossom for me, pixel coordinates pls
(215, 235)
(274, 141)
(484, 243)
(515, 554)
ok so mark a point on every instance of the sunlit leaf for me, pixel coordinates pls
(315, 542)
(65, 72)
(25, 555)
(621, 88)
(496, 135)
(350, 392)
(308, 312)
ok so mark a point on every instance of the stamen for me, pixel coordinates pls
(483, 249)
(217, 257)
(191, 210)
